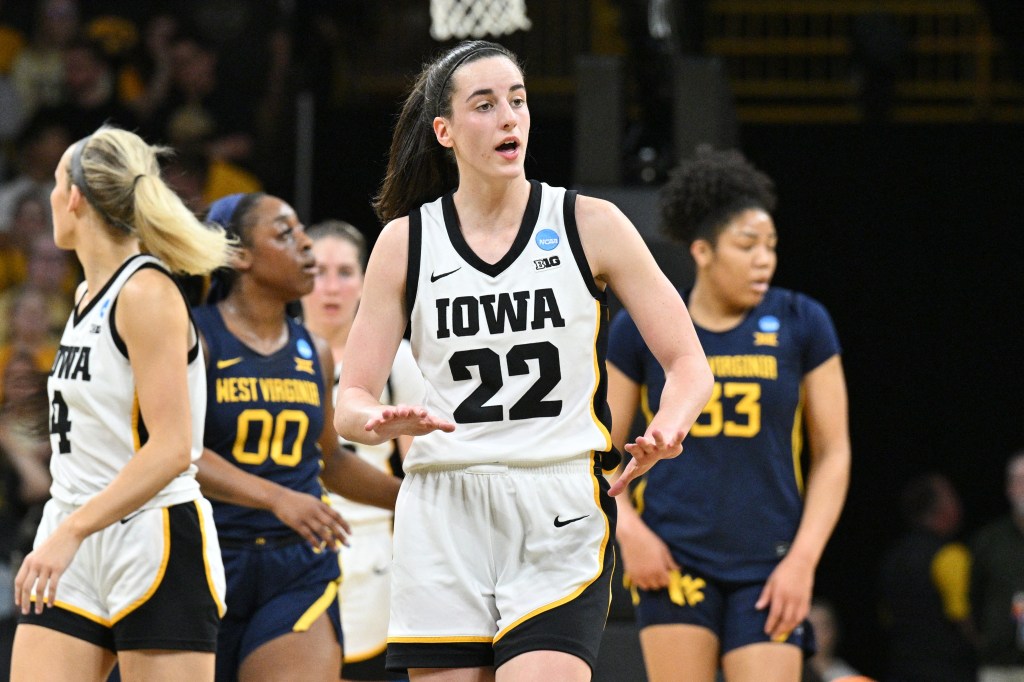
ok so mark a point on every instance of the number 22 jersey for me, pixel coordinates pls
(512, 352)
(730, 504)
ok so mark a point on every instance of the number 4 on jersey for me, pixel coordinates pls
(60, 423)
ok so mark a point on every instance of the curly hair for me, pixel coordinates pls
(704, 193)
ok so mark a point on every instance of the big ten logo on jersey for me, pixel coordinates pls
(545, 263)
(500, 313)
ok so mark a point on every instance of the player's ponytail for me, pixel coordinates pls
(119, 175)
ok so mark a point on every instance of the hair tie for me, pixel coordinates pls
(477, 49)
(136, 180)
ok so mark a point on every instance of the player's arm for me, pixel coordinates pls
(309, 516)
(345, 472)
(370, 351)
(646, 558)
(618, 257)
(153, 322)
(787, 594)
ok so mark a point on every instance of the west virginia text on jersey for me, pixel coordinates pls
(265, 416)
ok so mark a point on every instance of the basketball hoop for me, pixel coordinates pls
(476, 18)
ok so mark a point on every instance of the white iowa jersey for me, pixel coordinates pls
(95, 423)
(512, 352)
(404, 387)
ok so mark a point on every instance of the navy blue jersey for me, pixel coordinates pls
(264, 414)
(729, 506)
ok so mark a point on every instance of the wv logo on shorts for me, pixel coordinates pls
(685, 589)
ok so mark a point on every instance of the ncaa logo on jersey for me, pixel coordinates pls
(768, 336)
(304, 349)
(547, 239)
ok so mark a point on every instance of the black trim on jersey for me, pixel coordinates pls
(530, 215)
(193, 352)
(412, 268)
(77, 315)
(572, 234)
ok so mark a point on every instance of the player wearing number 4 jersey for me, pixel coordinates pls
(126, 566)
(724, 553)
(502, 555)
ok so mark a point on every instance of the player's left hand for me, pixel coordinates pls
(787, 596)
(646, 451)
(42, 570)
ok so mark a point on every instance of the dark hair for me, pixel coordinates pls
(703, 194)
(234, 214)
(419, 169)
(340, 230)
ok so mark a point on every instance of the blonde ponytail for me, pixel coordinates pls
(122, 181)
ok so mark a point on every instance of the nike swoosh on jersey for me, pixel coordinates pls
(434, 278)
(222, 364)
(559, 523)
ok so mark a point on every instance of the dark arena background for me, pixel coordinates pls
(894, 132)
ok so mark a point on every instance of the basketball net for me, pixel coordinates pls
(476, 18)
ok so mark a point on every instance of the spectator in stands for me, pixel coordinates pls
(997, 585)
(38, 70)
(24, 480)
(51, 272)
(825, 663)
(90, 95)
(924, 580)
(38, 151)
(30, 219)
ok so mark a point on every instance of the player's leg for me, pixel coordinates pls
(313, 655)
(662, 645)
(544, 665)
(764, 662)
(162, 665)
(481, 674)
(45, 655)
(748, 654)
(686, 616)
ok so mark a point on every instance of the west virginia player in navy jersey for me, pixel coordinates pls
(723, 552)
(267, 431)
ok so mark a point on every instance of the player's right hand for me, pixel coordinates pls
(406, 420)
(317, 522)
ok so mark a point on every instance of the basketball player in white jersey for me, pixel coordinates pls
(126, 567)
(504, 524)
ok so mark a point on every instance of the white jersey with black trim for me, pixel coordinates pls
(512, 352)
(95, 422)
(404, 387)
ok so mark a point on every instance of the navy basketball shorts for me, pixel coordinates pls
(494, 560)
(274, 586)
(153, 580)
(725, 608)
